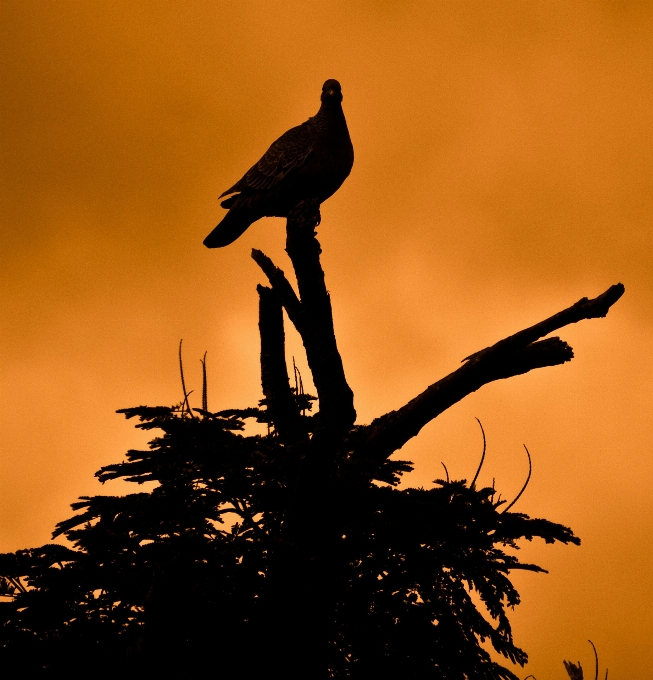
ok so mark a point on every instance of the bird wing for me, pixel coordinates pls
(287, 153)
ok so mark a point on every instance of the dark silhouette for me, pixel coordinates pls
(309, 161)
(575, 672)
(290, 555)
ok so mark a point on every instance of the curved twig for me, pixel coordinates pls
(596, 660)
(480, 465)
(183, 385)
(446, 471)
(528, 479)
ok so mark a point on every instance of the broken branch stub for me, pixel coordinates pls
(281, 404)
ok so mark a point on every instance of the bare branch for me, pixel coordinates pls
(274, 373)
(282, 286)
(512, 356)
(312, 317)
(583, 309)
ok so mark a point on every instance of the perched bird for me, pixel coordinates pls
(309, 161)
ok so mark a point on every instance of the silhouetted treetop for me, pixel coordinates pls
(291, 554)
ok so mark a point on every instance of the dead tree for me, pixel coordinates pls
(305, 573)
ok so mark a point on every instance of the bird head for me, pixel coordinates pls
(331, 91)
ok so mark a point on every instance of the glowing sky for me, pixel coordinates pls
(504, 169)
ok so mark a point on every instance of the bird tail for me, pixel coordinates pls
(234, 223)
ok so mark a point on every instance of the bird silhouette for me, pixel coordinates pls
(309, 161)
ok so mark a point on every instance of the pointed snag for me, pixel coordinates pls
(280, 401)
(185, 401)
(282, 286)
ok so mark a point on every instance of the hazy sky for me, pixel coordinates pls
(504, 169)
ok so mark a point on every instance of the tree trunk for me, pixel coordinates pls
(298, 612)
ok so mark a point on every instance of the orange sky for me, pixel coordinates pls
(504, 169)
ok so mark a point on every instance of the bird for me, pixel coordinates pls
(309, 161)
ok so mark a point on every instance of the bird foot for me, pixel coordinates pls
(307, 212)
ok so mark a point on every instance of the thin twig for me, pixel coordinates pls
(528, 479)
(446, 471)
(596, 660)
(294, 370)
(205, 401)
(299, 385)
(183, 385)
(471, 486)
(284, 289)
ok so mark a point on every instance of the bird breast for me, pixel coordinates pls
(330, 162)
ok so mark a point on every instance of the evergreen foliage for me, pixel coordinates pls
(180, 570)
(293, 554)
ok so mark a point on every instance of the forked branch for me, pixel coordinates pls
(517, 354)
(583, 309)
(312, 316)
